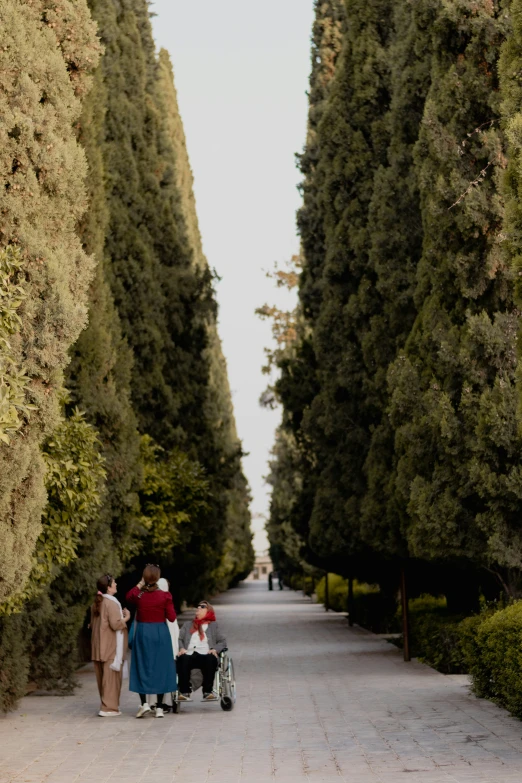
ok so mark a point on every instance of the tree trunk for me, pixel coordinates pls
(350, 602)
(405, 616)
(326, 595)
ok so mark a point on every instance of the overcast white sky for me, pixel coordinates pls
(241, 70)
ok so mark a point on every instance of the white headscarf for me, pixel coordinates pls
(172, 626)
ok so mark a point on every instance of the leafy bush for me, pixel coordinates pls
(427, 603)
(14, 661)
(48, 50)
(74, 482)
(376, 611)
(435, 639)
(39, 626)
(13, 380)
(495, 658)
(175, 491)
(372, 609)
(337, 592)
(447, 642)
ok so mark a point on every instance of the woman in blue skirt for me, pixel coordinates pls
(153, 669)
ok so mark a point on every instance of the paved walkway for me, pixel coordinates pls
(317, 701)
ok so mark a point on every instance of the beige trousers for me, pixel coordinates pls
(109, 686)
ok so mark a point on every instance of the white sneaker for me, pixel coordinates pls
(103, 714)
(143, 710)
(159, 712)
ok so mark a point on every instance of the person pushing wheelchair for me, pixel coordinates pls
(200, 642)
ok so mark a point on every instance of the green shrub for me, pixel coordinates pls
(14, 661)
(427, 603)
(447, 642)
(309, 585)
(376, 611)
(372, 609)
(296, 581)
(496, 658)
(48, 49)
(435, 639)
(468, 637)
(337, 592)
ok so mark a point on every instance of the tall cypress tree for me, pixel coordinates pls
(340, 298)
(47, 53)
(159, 280)
(511, 118)
(298, 384)
(210, 417)
(98, 381)
(99, 375)
(130, 157)
(327, 41)
(453, 394)
(395, 235)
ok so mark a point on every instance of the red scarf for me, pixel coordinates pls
(196, 624)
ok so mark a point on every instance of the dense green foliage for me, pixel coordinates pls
(452, 388)
(74, 480)
(497, 665)
(219, 449)
(13, 380)
(31, 619)
(99, 374)
(400, 444)
(99, 230)
(46, 55)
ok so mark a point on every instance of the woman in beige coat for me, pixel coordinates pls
(108, 644)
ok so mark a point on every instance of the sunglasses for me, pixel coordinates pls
(202, 606)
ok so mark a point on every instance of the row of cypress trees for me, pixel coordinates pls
(400, 445)
(117, 436)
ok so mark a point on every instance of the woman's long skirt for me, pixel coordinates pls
(153, 669)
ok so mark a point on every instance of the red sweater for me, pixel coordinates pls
(155, 607)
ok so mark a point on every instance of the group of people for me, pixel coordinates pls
(163, 656)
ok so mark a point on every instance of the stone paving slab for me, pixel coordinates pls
(317, 701)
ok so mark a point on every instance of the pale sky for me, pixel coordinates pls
(241, 70)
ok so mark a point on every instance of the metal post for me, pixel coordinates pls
(326, 596)
(405, 616)
(350, 602)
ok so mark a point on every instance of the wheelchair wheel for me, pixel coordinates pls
(232, 683)
(227, 704)
(228, 686)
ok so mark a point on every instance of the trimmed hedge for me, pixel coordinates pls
(337, 592)
(372, 609)
(435, 639)
(14, 661)
(496, 659)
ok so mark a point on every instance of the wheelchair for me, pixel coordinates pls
(224, 684)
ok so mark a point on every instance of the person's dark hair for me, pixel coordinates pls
(103, 584)
(151, 574)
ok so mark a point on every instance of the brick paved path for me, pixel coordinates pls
(317, 701)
